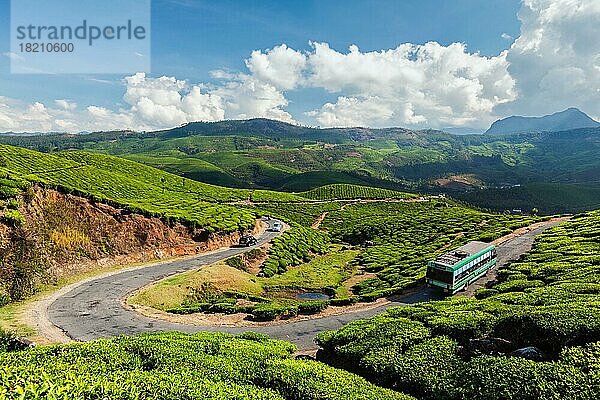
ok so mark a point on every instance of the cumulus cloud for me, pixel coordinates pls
(556, 59)
(552, 65)
(65, 104)
(13, 56)
(167, 101)
(411, 84)
(153, 103)
(245, 96)
(281, 66)
(369, 111)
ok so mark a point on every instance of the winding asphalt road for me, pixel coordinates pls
(94, 309)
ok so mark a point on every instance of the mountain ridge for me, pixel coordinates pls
(571, 118)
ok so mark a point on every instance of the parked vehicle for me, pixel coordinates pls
(276, 227)
(247, 241)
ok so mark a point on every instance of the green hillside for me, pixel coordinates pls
(399, 238)
(136, 187)
(277, 156)
(460, 348)
(548, 198)
(345, 191)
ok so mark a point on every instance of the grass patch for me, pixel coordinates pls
(11, 320)
(219, 283)
(325, 272)
(172, 292)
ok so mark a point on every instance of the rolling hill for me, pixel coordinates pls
(136, 187)
(271, 155)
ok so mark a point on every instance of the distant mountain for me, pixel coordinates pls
(571, 118)
(278, 130)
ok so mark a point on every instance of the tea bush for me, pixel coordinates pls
(547, 299)
(177, 366)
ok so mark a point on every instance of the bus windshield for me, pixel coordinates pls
(439, 275)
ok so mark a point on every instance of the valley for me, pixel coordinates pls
(71, 310)
(555, 172)
(343, 279)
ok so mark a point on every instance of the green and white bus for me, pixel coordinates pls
(460, 267)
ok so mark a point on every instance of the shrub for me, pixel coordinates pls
(462, 325)
(485, 293)
(12, 204)
(270, 311)
(501, 378)
(8, 192)
(311, 380)
(344, 301)
(12, 217)
(225, 308)
(312, 307)
(190, 308)
(235, 262)
(551, 327)
(517, 285)
(10, 342)
(4, 298)
(293, 248)
(173, 366)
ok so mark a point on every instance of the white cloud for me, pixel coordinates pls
(152, 103)
(370, 111)
(552, 65)
(556, 59)
(65, 104)
(415, 85)
(13, 56)
(280, 66)
(244, 96)
(166, 101)
(421, 85)
(506, 36)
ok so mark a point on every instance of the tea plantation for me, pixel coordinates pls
(401, 237)
(392, 240)
(135, 186)
(10, 188)
(178, 366)
(462, 348)
(294, 248)
(346, 191)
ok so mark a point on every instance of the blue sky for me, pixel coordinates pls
(192, 38)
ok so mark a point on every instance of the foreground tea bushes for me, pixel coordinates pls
(178, 366)
(461, 348)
